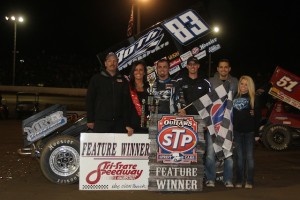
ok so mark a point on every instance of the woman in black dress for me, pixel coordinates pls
(138, 92)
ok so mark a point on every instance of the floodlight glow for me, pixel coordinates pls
(216, 29)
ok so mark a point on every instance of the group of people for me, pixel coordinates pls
(117, 105)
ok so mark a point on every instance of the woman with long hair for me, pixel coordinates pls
(246, 118)
(138, 92)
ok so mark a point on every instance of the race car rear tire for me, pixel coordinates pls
(59, 160)
(277, 137)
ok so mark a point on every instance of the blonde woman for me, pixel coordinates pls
(246, 117)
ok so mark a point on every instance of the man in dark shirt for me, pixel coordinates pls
(193, 86)
(107, 100)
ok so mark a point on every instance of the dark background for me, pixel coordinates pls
(60, 39)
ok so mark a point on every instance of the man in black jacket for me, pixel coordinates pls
(193, 86)
(107, 100)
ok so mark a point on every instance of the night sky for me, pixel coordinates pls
(255, 36)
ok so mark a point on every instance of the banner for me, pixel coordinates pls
(175, 39)
(176, 153)
(110, 161)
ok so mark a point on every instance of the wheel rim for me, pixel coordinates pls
(278, 138)
(64, 161)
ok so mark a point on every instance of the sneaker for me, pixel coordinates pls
(248, 186)
(210, 184)
(239, 185)
(228, 184)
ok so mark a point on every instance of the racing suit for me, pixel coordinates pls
(164, 92)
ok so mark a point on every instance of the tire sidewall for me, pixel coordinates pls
(51, 149)
(274, 130)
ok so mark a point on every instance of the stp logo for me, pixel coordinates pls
(173, 138)
(217, 114)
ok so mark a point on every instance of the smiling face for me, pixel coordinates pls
(243, 86)
(139, 72)
(162, 70)
(223, 69)
(193, 67)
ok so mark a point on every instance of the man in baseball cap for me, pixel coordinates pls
(193, 86)
(194, 59)
(111, 54)
(107, 100)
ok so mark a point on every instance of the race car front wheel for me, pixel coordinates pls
(60, 160)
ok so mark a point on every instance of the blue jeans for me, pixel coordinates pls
(244, 143)
(210, 162)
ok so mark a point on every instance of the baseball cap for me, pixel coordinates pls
(192, 58)
(111, 54)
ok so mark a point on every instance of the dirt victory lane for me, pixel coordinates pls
(277, 176)
(52, 172)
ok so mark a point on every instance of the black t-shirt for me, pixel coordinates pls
(193, 89)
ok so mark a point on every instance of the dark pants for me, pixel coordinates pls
(244, 156)
(110, 126)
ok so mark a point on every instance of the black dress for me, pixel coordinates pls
(135, 119)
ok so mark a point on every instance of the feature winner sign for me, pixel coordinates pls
(113, 161)
(176, 154)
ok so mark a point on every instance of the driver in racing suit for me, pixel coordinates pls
(164, 89)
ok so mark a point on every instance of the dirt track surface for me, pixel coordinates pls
(277, 177)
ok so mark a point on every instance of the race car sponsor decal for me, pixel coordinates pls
(175, 62)
(175, 69)
(173, 55)
(45, 125)
(179, 36)
(186, 55)
(186, 26)
(207, 44)
(200, 55)
(143, 47)
(214, 48)
(195, 50)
